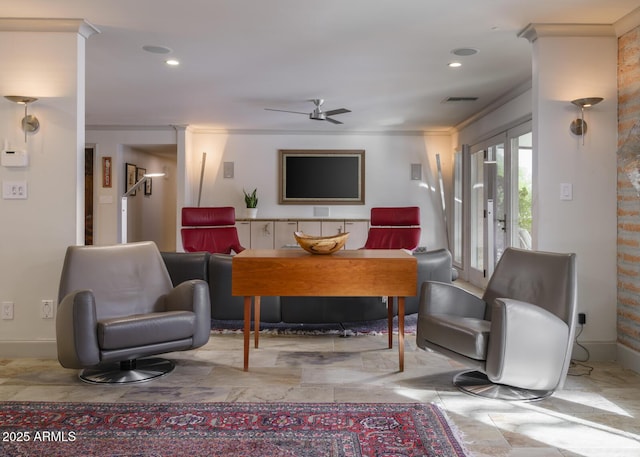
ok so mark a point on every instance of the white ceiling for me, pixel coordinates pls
(385, 60)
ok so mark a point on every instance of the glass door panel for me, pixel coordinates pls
(458, 234)
(477, 220)
(521, 218)
(499, 173)
(500, 196)
(488, 208)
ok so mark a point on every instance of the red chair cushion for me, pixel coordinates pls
(210, 229)
(400, 228)
(393, 238)
(396, 216)
(220, 240)
(210, 216)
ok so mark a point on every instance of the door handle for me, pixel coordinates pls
(504, 223)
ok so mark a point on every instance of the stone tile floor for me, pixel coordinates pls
(597, 414)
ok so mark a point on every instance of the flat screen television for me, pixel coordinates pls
(333, 177)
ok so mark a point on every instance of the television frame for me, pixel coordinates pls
(282, 184)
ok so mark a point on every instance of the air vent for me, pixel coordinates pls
(459, 99)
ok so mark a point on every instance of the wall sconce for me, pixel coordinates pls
(30, 123)
(579, 126)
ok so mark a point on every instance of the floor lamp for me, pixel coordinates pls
(125, 199)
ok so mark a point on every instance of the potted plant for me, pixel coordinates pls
(251, 200)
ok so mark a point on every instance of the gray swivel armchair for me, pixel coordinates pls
(518, 337)
(117, 305)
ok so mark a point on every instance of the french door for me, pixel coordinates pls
(500, 193)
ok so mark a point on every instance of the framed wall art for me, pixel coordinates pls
(130, 177)
(106, 171)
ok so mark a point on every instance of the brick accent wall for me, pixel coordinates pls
(628, 308)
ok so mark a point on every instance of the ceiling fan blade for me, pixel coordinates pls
(337, 111)
(332, 120)
(286, 111)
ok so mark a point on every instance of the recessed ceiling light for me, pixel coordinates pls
(153, 49)
(172, 62)
(463, 52)
(454, 64)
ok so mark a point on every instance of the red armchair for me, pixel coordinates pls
(210, 229)
(394, 228)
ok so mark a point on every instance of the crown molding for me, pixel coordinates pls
(221, 131)
(628, 22)
(313, 132)
(534, 31)
(70, 25)
(496, 104)
(132, 128)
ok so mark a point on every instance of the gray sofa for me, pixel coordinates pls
(216, 270)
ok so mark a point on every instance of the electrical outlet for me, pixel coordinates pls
(7, 310)
(46, 311)
(582, 318)
(14, 190)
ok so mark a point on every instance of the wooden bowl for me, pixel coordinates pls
(321, 244)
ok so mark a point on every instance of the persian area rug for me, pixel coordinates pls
(376, 327)
(226, 430)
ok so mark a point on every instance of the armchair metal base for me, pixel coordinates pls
(476, 383)
(127, 371)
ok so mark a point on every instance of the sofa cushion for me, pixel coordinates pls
(464, 335)
(144, 329)
(184, 266)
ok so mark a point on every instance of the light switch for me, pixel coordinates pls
(566, 191)
(14, 190)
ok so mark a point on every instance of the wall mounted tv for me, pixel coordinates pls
(334, 177)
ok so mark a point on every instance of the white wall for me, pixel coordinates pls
(255, 157)
(153, 217)
(115, 144)
(35, 232)
(587, 224)
(387, 157)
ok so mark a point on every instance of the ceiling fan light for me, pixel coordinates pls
(317, 114)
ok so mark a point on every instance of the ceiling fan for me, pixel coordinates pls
(317, 114)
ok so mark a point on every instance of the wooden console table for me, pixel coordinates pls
(294, 272)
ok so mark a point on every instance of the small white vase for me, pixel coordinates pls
(252, 213)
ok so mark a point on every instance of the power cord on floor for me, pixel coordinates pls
(577, 366)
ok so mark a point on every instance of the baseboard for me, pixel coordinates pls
(599, 351)
(629, 358)
(28, 349)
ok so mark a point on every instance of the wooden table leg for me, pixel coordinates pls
(256, 321)
(390, 320)
(401, 332)
(247, 330)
